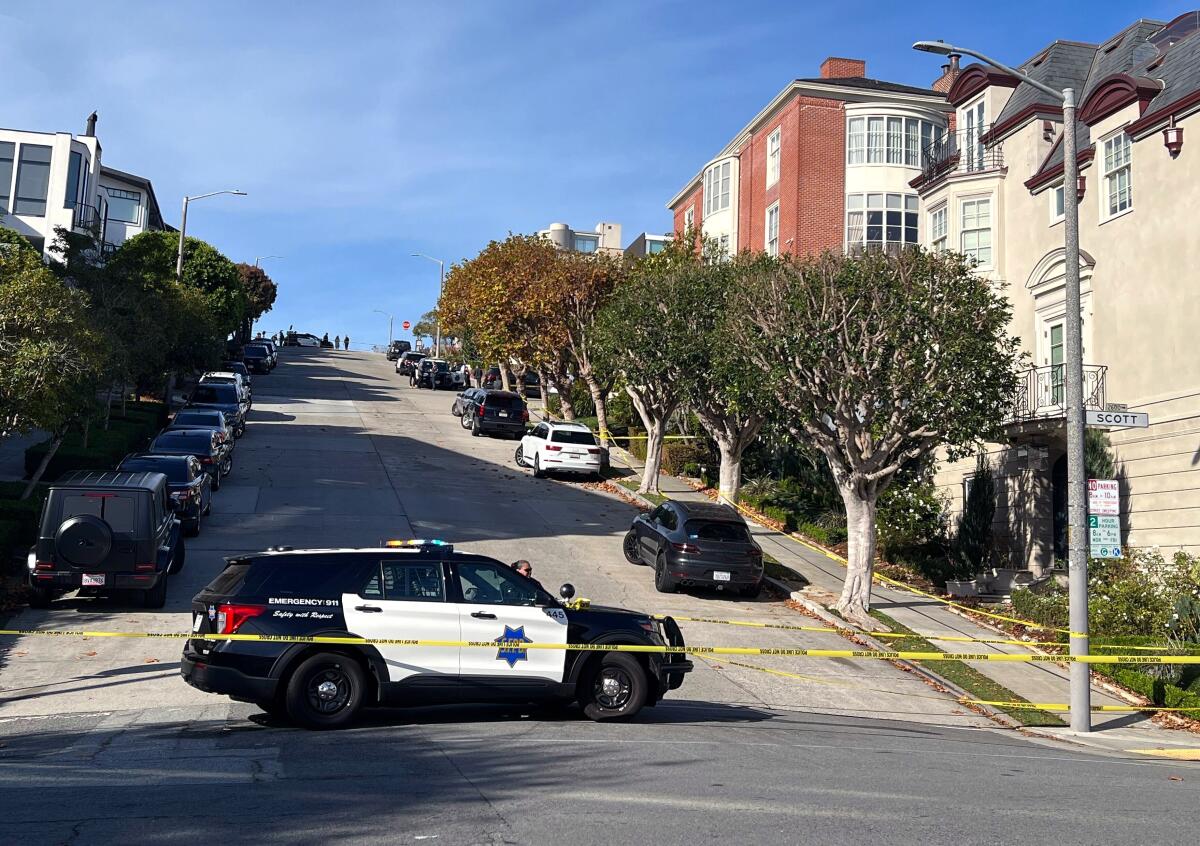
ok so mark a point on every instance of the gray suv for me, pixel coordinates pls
(106, 532)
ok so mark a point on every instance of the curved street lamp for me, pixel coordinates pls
(441, 281)
(183, 223)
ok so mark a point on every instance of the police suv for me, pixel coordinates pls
(417, 591)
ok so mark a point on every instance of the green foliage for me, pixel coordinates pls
(259, 290)
(678, 454)
(973, 541)
(1097, 456)
(104, 449)
(426, 327)
(11, 542)
(823, 534)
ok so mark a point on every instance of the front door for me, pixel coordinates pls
(500, 605)
(407, 599)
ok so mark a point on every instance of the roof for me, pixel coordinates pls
(708, 510)
(111, 479)
(154, 218)
(1062, 64)
(567, 424)
(868, 84)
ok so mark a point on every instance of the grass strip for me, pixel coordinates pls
(967, 677)
(657, 499)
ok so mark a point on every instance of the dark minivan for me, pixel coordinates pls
(107, 531)
(495, 412)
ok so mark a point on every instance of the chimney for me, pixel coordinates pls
(837, 68)
(950, 73)
(90, 132)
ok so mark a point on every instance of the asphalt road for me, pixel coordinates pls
(100, 742)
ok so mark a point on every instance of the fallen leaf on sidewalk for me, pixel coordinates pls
(1174, 778)
(88, 654)
(150, 661)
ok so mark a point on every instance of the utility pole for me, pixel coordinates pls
(183, 224)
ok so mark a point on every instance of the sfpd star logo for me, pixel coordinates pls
(508, 652)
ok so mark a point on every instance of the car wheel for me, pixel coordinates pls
(179, 560)
(630, 548)
(616, 689)
(208, 507)
(325, 691)
(192, 527)
(663, 582)
(40, 597)
(156, 597)
(227, 467)
(464, 421)
(519, 456)
(538, 472)
(753, 591)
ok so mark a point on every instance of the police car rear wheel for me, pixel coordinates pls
(616, 689)
(325, 691)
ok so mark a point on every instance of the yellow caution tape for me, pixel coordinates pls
(775, 651)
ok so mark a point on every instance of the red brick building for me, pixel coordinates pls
(825, 165)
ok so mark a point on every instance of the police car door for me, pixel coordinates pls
(407, 599)
(500, 605)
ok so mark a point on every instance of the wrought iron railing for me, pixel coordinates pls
(87, 217)
(1042, 392)
(962, 151)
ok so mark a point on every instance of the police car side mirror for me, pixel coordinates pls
(567, 591)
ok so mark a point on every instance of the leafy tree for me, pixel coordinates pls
(426, 327)
(973, 543)
(260, 292)
(878, 360)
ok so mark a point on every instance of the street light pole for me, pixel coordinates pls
(183, 224)
(389, 317)
(1081, 693)
(441, 284)
(260, 258)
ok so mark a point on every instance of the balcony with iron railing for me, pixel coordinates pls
(960, 152)
(87, 218)
(1039, 404)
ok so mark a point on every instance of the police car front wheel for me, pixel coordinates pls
(615, 689)
(325, 691)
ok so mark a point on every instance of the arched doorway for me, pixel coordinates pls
(1058, 497)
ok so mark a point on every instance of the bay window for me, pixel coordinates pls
(881, 221)
(716, 188)
(886, 139)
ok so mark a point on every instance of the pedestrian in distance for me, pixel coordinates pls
(346, 343)
(337, 342)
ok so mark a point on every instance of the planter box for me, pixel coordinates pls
(961, 588)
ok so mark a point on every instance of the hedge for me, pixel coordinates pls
(1160, 692)
(104, 451)
(677, 455)
(10, 542)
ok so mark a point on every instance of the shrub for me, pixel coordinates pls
(678, 454)
(912, 518)
(11, 542)
(762, 488)
(782, 515)
(635, 443)
(1047, 607)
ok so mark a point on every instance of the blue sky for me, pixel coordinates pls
(366, 131)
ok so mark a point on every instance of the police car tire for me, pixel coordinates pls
(625, 667)
(343, 670)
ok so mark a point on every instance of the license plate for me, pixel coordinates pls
(720, 576)
(93, 580)
(197, 620)
(501, 413)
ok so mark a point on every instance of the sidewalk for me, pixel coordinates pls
(12, 455)
(1041, 682)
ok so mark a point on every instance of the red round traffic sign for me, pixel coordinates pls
(406, 325)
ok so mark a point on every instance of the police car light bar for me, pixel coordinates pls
(417, 542)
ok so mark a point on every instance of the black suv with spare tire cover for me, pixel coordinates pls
(415, 591)
(104, 532)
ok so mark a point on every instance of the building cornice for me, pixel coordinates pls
(839, 93)
(1149, 122)
(1115, 93)
(1052, 174)
(973, 80)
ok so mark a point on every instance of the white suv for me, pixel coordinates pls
(229, 378)
(567, 447)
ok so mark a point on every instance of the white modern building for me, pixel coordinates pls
(647, 244)
(603, 238)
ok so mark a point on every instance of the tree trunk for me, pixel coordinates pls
(41, 468)
(87, 430)
(855, 600)
(108, 406)
(564, 401)
(731, 469)
(504, 383)
(601, 408)
(654, 441)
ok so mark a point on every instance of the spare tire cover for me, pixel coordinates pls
(83, 541)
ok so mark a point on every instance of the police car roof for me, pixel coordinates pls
(435, 550)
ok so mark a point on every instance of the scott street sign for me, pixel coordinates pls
(1117, 419)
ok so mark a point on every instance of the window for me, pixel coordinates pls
(1117, 173)
(976, 230)
(573, 436)
(717, 530)
(937, 229)
(856, 141)
(689, 218)
(7, 151)
(772, 239)
(33, 180)
(773, 157)
(484, 583)
(972, 121)
(73, 180)
(125, 205)
(1056, 204)
(411, 582)
(119, 511)
(883, 221)
(716, 188)
(884, 139)
(653, 247)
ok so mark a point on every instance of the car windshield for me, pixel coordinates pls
(210, 419)
(196, 442)
(717, 530)
(215, 392)
(118, 510)
(572, 436)
(254, 352)
(176, 470)
(441, 366)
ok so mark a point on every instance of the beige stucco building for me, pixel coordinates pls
(993, 190)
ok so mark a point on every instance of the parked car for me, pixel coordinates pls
(397, 349)
(435, 374)
(464, 397)
(408, 362)
(406, 591)
(104, 532)
(202, 418)
(560, 447)
(272, 349)
(216, 457)
(239, 368)
(533, 384)
(703, 544)
(301, 339)
(257, 358)
(228, 377)
(190, 487)
(224, 398)
(495, 412)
